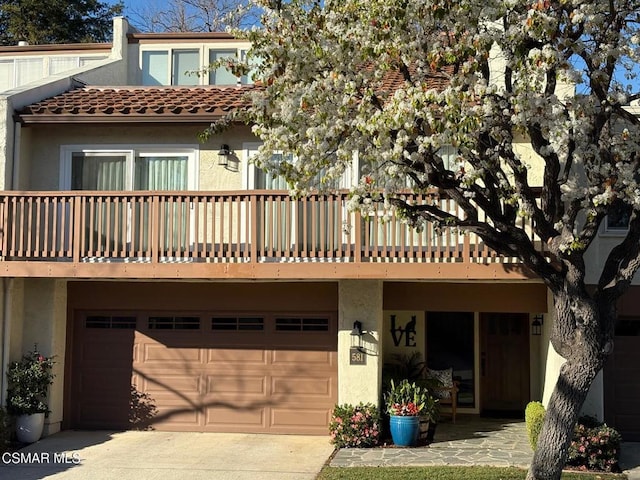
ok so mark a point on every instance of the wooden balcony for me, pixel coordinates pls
(241, 235)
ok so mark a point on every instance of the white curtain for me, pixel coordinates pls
(28, 70)
(97, 172)
(165, 173)
(184, 62)
(62, 64)
(6, 75)
(161, 173)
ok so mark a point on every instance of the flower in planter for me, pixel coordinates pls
(28, 383)
(410, 399)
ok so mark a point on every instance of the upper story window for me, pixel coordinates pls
(170, 67)
(221, 76)
(117, 169)
(617, 221)
(176, 66)
(16, 72)
(20, 71)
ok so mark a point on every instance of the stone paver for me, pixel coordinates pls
(470, 441)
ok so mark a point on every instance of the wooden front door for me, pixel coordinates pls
(504, 363)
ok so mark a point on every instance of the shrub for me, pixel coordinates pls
(28, 384)
(534, 417)
(357, 426)
(5, 430)
(594, 447)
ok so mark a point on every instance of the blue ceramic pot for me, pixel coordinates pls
(404, 430)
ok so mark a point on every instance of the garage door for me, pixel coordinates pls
(621, 385)
(209, 372)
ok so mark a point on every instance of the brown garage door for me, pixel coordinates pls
(621, 384)
(240, 372)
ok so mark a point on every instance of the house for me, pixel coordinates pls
(181, 288)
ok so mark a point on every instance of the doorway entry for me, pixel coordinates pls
(504, 364)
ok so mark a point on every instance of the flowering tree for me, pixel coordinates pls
(396, 82)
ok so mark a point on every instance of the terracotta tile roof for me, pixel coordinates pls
(161, 104)
(136, 104)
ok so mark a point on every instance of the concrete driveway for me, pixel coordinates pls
(75, 455)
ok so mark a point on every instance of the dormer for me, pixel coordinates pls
(172, 58)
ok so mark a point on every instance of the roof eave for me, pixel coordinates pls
(123, 119)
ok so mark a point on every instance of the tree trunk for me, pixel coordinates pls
(578, 338)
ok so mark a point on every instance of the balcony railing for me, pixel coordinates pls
(223, 227)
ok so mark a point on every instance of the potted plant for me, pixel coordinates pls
(406, 403)
(28, 384)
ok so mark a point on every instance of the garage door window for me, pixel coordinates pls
(110, 322)
(237, 323)
(174, 323)
(302, 324)
(628, 327)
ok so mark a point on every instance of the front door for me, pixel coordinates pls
(504, 363)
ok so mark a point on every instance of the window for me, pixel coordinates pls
(6, 75)
(175, 66)
(171, 67)
(62, 64)
(237, 323)
(110, 322)
(254, 63)
(628, 327)
(618, 218)
(174, 323)
(155, 68)
(28, 70)
(302, 324)
(221, 76)
(117, 169)
(184, 63)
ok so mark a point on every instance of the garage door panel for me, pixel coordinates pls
(158, 353)
(302, 419)
(237, 356)
(106, 353)
(302, 386)
(163, 385)
(103, 415)
(232, 417)
(293, 357)
(245, 384)
(176, 415)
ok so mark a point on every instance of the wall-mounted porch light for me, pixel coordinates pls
(536, 325)
(223, 155)
(356, 335)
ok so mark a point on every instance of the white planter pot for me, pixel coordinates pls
(29, 427)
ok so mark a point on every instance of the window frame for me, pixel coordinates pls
(192, 152)
(204, 51)
(614, 231)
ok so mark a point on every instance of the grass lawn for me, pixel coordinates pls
(445, 473)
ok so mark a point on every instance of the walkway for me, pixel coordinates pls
(470, 441)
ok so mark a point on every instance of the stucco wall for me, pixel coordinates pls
(360, 300)
(44, 325)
